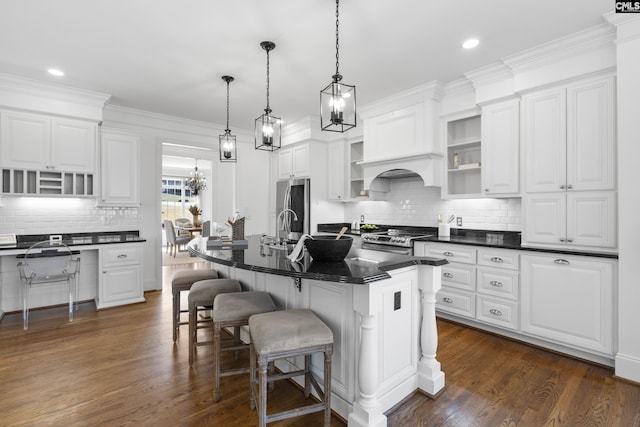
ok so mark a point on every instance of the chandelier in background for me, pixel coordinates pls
(197, 181)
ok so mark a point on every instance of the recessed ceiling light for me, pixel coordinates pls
(470, 44)
(55, 72)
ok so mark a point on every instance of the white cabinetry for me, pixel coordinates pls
(119, 168)
(569, 144)
(120, 275)
(398, 133)
(356, 173)
(34, 141)
(501, 148)
(569, 300)
(463, 161)
(336, 171)
(293, 162)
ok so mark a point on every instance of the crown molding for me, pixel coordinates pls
(433, 91)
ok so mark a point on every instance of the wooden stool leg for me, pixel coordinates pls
(176, 314)
(307, 373)
(192, 332)
(216, 361)
(327, 387)
(252, 377)
(262, 392)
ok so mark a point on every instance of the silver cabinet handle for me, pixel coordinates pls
(561, 261)
(497, 259)
(562, 187)
(104, 271)
(121, 256)
(495, 283)
(495, 312)
(569, 240)
(563, 240)
(448, 253)
(486, 189)
(569, 187)
(447, 275)
(447, 300)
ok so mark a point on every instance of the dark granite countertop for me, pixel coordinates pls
(360, 266)
(25, 241)
(459, 236)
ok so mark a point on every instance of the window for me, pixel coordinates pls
(174, 204)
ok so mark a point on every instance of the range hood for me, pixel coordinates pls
(376, 174)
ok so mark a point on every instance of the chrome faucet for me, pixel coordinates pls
(281, 217)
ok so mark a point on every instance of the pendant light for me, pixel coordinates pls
(228, 152)
(267, 127)
(338, 100)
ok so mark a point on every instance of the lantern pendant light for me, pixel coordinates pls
(337, 100)
(267, 127)
(228, 147)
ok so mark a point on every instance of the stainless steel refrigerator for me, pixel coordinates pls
(292, 194)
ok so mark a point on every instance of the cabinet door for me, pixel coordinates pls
(25, 141)
(73, 145)
(336, 171)
(569, 300)
(285, 163)
(590, 135)
(591, 219)
(501, 148)
(119, 165)
(544, 139)
(300, 156)
(545, 218)
(120, 285)
(395, 134)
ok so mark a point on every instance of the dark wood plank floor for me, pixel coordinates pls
(120, 367)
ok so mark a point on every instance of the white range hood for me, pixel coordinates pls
(376, 174)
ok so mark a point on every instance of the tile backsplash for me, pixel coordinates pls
(45, 215)
(409, 202)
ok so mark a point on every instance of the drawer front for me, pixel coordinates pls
(456, 302)
(461, 276)
(117, 255)
(499, 258)
(498, 312)
(457, 253)
(500, 283)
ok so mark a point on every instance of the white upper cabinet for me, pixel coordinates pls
(119, 166)
(293, 162)
(501, 149)
(463, 156)
(336, 171)
(569, 138)
(33, 141)
(395, 134)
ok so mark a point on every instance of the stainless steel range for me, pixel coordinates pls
(393, 240)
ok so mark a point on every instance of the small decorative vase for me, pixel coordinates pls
(196, 221)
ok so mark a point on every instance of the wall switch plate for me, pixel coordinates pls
(361, 218)
(459, 221)
(397, 299)
(55, 238)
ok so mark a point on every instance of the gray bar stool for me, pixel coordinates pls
(282, 334)
(203, 294)
(182, 281)
(234, 310)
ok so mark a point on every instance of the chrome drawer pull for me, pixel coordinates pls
(495, 312)
(447, 275)
(121, 256)
(496, 283)
(448, 254)
(561, 261)
(497, 259)
(447, 300)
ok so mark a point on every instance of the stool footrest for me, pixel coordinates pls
(238, 371)
(309, 409)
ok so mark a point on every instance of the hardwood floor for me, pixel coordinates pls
(120, 367)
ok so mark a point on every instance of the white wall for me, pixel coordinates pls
(409, 202)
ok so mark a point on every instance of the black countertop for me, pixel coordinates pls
(484, 238)
(360, 266)
(25, 241)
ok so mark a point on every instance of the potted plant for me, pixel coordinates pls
(196, 212)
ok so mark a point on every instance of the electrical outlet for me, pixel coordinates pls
(459, 221)
(362, 219)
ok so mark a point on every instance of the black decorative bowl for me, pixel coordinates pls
(327, 248)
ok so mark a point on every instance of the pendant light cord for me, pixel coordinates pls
(268, 109)
(337, 37)
(227, 129)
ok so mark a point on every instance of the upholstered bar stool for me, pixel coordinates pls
(234, 310)
(282, 334)
(203, 294)
(182, 281)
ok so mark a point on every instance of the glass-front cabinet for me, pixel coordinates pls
(463, 161)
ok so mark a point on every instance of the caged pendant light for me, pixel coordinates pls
(267, 127)
(228, 148)
(337, 100)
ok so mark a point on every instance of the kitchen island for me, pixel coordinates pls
(379, 306)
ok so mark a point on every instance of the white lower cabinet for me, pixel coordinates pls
(120, 275)
(569, 300)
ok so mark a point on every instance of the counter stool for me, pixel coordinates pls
(282, 334)
(203, 294)
(234, 310)
(182, 281)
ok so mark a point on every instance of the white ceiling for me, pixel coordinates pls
(168, 56)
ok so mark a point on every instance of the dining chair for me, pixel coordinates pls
(206, 229)
(173, 241)
(183, 222)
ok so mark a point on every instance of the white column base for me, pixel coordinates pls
(430, 377)
(370, 417)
